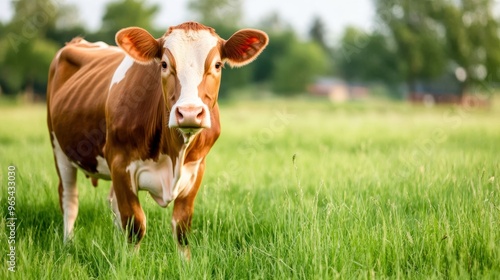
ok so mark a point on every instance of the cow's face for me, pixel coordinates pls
(191, 57)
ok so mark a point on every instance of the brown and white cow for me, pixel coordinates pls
(143, 115)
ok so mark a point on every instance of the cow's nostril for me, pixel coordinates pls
(201, 114)
(178, 114)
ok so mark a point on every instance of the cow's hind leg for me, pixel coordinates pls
(68, 192)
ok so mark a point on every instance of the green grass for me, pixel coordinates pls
(293, 190)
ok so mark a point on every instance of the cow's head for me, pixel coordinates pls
(191, 57)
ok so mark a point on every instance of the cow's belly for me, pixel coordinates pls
(88, 160)
(161, 179)
(102, 169)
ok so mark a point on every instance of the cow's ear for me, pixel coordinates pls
(244, 46)
(138, 44)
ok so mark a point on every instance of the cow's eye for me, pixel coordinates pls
(163, 65)
(218, 65)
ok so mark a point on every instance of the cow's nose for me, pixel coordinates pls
(190, 116)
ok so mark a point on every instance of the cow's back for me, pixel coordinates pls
(79, 80)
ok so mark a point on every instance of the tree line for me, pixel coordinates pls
(411, 42)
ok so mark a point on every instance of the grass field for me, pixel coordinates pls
(293, 190)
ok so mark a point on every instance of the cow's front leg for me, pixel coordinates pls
(132, 218)
(183, 214)
(113, 205)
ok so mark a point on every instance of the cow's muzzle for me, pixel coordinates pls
(190, 119)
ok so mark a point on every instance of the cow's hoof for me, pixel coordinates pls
(184, 252)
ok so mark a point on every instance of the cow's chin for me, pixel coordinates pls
(189, 133)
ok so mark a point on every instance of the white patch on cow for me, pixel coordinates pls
(161, 179)
(190, 50)
(58, 54)
(103, 168)
(101, 44)
(155, 177)
(97, 47)
(114, 207)
(121, 70)
(188, 174)
(67, 173)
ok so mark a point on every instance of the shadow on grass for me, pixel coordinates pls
(40, 233)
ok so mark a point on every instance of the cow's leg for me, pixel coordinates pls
(183, 214)
(114, 207)
(132, 217)
(68, 193)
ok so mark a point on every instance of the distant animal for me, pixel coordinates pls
(143, 115)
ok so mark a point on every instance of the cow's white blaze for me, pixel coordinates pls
(121, 70)
(161, 179)
(190, 50)
(70, 193)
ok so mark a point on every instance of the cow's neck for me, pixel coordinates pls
(174, 145)
(176, 148)
(204, 141)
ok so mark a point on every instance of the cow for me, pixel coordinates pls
(143, 115)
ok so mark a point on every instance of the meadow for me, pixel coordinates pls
(297, 189)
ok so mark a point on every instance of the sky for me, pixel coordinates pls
(336, 14)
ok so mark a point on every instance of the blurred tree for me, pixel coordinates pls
(318, 31)
(282, 37)
(274, 23)
(124, 13)
(279, 45)
(63, 35)
(418, 38)
(31, 20)
(26, 54)
(27, 69)
(364, 57)
(3, 49)
(217, 13)
(318, 34)
(3, 30)
(298, 67)
(472, 40)
(67, 26)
